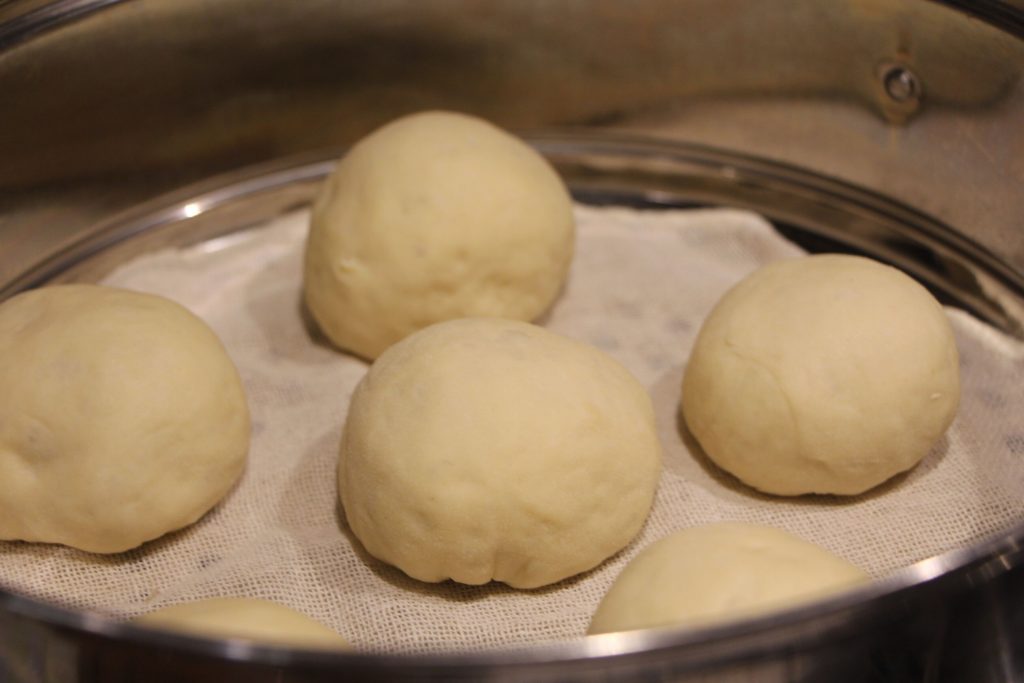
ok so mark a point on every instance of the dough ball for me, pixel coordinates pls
(483, 449)
(825, 374)
(719, 572)
(245, 618)
(121, 418)
(435, 216)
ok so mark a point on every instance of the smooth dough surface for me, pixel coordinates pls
(121, 418)
(486, 449)
(432, 217)
(718, 572)
(825, 374)
(246, 618)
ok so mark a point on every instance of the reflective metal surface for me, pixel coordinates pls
(960, 612)
(143, 96)
(898, 125)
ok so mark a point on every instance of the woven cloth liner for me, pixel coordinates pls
(640, 285)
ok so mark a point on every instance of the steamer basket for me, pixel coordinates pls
(894, 129)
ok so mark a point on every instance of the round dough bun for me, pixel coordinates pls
(435, 216)
(824, 374)
(121, 418)
(486, 449)
(719, 572)
(245, 618)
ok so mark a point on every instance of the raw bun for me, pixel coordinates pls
(714, 573)
(245, 618)
(121, 418)
(483, 449)
(825, 374)
(435, 216)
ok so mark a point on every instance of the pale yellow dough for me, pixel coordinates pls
(825, 374)
(720, 572)
(434, 216)
(486, 449)
(261, 621)
(121, 418)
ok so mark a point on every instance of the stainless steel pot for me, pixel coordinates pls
(894, 127)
